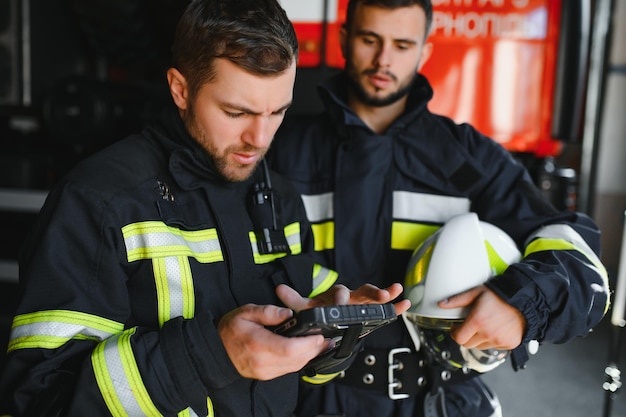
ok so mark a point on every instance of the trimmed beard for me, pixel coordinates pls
(366, 98)
(222, 167)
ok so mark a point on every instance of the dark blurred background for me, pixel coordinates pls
(75, 75)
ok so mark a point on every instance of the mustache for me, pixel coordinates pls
(246, 148)
(386, 73)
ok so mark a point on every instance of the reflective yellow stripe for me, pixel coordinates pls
(119, 379)
(540, 245)
(190, 413)
(120, 383)
(169, 249)
(564, 237)
(175, 288)
(210, 408)
(408, 209)
(292, 234)
(323, 279)
(408, 236)
(187, 288)
(324, 236)
(496, 263)
(53, 328)
(418, 265)
(105, 384)
(320, 378)
(320, 212)
(162, 290)
(149, 240)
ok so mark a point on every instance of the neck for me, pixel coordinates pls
(377, 118)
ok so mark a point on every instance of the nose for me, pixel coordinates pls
(383, 58)
(258, 132)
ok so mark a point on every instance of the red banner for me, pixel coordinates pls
(493, 63)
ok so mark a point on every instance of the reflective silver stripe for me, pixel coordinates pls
(292, 235)
(153, 239)
(568, 234)
(406, 205)
(565, 232)
(293, 239)
(320, 277)
(427, 207)
(119, 379)
(174, 286)
(318, 207)
(57, 329)
(52, 328)
(164, 240)
(323, 279)
(122, 386)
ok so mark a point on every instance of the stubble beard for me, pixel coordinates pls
(355, 85)
(230, 171)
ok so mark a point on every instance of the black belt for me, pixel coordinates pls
(399, 373)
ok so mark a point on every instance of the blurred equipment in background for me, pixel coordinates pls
(76, 75)
(613, 382)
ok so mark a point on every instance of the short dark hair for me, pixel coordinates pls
(391, 4)
(255, 35)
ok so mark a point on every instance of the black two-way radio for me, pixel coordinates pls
(264, 210)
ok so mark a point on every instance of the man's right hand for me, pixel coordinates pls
(259, 353)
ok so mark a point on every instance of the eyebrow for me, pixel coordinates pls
(254, 113)
(363, 32)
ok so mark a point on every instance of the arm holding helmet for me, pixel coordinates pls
(491, 322)
(559, 289)
(560, 286)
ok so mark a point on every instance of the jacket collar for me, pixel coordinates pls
(334, 95)
(189, 164)
(427, 145)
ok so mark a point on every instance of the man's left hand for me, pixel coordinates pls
(491, 322)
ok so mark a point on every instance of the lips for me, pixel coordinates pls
(246, 158)
(379, 80)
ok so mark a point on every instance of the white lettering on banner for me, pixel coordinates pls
(496, 3)
(520, 4)
(452, 3)
(310, 11)
(474, 25)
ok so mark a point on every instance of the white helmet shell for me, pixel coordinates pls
(464, 253)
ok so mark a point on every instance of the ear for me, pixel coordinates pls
(427, 51)
(343, 41)
(178, 88)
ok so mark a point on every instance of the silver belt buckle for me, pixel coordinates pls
(393, 383)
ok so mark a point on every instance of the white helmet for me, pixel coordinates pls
(464, 253)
